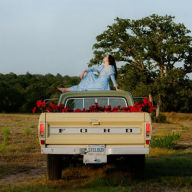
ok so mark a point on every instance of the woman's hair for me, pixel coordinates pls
(112, 62)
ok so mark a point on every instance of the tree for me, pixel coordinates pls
(19, 93)
(154, 45)
(10, 98)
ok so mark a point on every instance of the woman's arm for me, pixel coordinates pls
(92, 69)
(115, 82)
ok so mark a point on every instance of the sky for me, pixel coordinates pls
(56, 36)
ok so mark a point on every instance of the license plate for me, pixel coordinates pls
(96, 148)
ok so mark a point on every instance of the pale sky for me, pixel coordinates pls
(56, 36)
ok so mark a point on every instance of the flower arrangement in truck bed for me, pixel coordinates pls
(145, 106)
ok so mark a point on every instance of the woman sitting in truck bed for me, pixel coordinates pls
(89, 81)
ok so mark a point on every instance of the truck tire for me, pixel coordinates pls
(54, 167)
(138, 166)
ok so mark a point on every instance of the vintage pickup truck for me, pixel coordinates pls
(96, 137)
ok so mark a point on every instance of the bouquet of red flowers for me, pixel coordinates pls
(145, 106)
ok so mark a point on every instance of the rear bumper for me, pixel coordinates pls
(81, 150)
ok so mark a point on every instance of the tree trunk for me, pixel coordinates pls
(150, 98)
(161, 70)
(158, 106)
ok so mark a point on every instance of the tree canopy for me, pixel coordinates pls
(19, 93)
(156, 51)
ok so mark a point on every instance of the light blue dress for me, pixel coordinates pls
(93, 82)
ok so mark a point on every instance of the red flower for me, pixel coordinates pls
(134, 109)
(43, 104)
(151, 109)
(66, 109)
(119, 107)
(61, 106)
(150, 104)
(77, 110)
(85, 110)
(40, 103)
(115, 109)
(54, 106)
(145, 100)
(138, 106)
(145, 106)
(48, 109)
(34, 109)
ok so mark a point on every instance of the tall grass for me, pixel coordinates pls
(27, 131)
(5, 132)
(167, 141)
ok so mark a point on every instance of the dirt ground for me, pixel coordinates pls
(22, 164)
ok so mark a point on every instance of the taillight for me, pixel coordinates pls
(148, 129)
(148, 133)
(42, 130)
(147, 142)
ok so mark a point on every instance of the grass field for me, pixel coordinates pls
(23, 168)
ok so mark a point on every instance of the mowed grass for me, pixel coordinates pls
(23, 168)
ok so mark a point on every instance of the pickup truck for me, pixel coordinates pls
(94, 137)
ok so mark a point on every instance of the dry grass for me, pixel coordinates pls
(21, 152)
(22, 165)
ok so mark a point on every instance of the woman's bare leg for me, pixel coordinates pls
(63, 90)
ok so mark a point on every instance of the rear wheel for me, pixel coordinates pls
(54, 167)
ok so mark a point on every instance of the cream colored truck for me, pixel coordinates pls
(94, 137)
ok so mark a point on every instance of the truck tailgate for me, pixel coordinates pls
(94, 128)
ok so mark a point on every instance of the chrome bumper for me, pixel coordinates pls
(82, 150)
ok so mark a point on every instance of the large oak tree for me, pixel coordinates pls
(155, 47)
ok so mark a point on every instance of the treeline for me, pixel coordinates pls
(157, 56)
(19, 93)
(175, 87)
